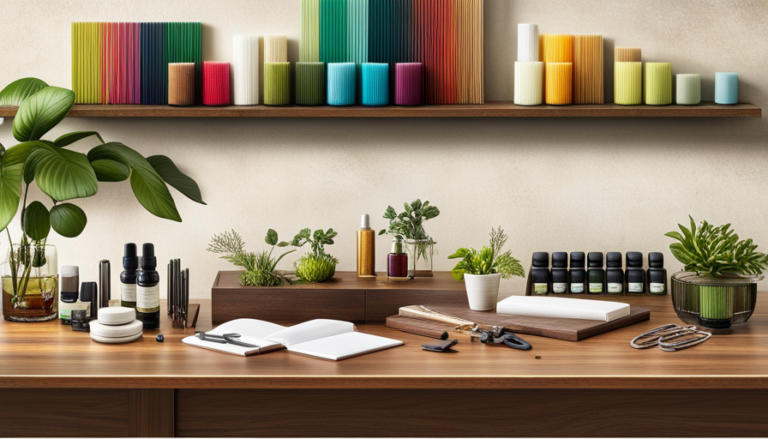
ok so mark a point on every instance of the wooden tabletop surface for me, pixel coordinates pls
(49, 355)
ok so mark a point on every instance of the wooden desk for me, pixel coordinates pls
(52, 379)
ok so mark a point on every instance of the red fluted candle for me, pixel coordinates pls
(215, 83)
(408, 84)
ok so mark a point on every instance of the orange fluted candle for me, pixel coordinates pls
(559, 83)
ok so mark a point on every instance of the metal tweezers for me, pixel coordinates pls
(224, 339)
(664, 337)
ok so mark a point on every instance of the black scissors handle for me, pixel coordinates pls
(515, 342)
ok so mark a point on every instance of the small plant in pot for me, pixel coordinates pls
(408, 227)
(259, 269)
(317, 265)
(482, 270)
(718, 284)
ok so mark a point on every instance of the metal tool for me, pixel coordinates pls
(224, 339)
(498, 336)
(104, 285)
(670, 338)
(178, 293)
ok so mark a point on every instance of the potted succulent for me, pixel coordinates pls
(29, 273)
(482, 270)
(718, 284)
(259, 269)
(315, 266)
(408, 227)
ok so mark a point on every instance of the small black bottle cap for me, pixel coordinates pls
(559, 260)
(634, 260)
(656, 260)
(577, 259)
(613, 260)
(540, 259)
(130, 260)
(148, 261)
(595, 259)
(88, 291)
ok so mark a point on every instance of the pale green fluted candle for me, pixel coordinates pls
(277, 83)
(658, 83)
(529, 82)
(688, 89)
(628, 83)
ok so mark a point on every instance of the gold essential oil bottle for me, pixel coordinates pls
(147, 290)
(366, 249)
(128, 276)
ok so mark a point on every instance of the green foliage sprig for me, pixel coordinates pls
(260, 269)
(409, 224)
(317, 241)
(487, 260)
(715, 251)
(315, 266)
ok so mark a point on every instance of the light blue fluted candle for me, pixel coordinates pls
(341, 84)
(726, 88)
(375, 84)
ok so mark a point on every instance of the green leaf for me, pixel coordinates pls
(110, 170)
(147, 185)
(457, 274)
(30, 165)
(68, 220)
(10, 193)
(15, 92)
(63, 174)
(173, 176)
(41, 112)
(68, 139)
(460, 253)
(271, 238)
(18, 154)
(37, 221)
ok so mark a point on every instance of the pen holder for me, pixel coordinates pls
(726, 88)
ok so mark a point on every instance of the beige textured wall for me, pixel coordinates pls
(552, 184)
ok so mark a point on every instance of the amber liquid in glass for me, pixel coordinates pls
(40, 302)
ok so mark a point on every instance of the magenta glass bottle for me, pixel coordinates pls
(397, 261)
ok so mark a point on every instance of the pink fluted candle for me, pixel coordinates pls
(408, 84)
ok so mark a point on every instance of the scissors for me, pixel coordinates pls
(224, 339)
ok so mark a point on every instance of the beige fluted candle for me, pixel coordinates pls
(181, 84)
(627, 54)
(588, 69)
(529, 82)
(275, 48)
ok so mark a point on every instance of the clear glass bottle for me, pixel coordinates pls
(420, 256)
(35, 295)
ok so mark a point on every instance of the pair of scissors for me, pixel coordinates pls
(224, 339)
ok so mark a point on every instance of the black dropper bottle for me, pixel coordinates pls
(614, 275)
(128, 276)
(657, 274)
(596, 273)
(147, 290)
(540, 273)
(577, 275)
(559, 272)
(635, 273)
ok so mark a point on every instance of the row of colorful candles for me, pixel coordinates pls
(317, 83)
(558, 69)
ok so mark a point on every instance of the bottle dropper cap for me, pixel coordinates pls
(130, 260)
(148, 261)
(365, 221)
(397, 247)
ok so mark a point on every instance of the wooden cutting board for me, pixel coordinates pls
(561, 329)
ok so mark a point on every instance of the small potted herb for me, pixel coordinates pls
(718, 284)
(315, 266)
(408, 227)
(482, 270)
(260, 269)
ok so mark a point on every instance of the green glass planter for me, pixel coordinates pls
(715, 303)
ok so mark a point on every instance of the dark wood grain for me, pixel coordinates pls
(380, 304)
(472, 413)
(490, 109)
(151, 412)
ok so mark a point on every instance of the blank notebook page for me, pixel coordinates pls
(311, 330)
(339, 347)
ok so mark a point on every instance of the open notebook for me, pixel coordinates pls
(328, 339)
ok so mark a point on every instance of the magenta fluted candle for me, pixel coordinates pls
(408, 84)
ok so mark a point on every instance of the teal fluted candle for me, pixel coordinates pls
(375, 84)
(726, 88)
(688, 89)
(310, 83)
(341, 84)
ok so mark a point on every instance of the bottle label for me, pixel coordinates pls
(559, 288)
(635, 287)
(147, 299)
(656, 288)
(128, 292)
(577, 288)
(540, 288)
(615, 288)
(595, 287)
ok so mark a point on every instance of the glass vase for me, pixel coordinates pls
(34, 271)
(420, 257)
(712, 302)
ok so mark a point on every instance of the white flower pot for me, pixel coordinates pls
(482, 290)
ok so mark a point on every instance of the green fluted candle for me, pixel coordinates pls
(628, 83)
(277, 83)
(658, 83)
(310, 83)
(688, 89)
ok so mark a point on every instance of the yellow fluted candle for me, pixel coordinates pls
(559, 85)
(556, 48)
(628, 83)
(658, 83)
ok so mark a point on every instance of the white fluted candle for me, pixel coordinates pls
(688, 89)
(527, 42)
(529, 83)
(245, 69)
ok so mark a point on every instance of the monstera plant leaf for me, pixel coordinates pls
(147, 185)
(68, 220)
(63, 174)
(10, 193)
(17, 91)
(37, 221)
(41, 112)
(173, 176)
(70, 138)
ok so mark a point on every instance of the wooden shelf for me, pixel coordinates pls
(490, 109)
